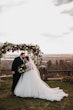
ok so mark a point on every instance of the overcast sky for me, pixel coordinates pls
(39, 22)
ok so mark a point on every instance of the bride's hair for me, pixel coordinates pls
(27, 58)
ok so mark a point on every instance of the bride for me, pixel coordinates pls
(31, 85)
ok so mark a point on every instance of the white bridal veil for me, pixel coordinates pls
(34, 66)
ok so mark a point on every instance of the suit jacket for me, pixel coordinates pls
(17, 61)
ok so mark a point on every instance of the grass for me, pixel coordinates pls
(9, 102)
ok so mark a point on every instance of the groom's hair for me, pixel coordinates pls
(22, 53)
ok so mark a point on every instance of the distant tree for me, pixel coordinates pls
(56, 62)
(49, 63)
(61, 62)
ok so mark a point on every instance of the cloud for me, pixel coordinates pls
(71, 28)
(66, 7)
(70, 12)
(55, 36)
(4, 4)
(61, 2)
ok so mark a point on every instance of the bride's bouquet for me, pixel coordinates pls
(21, 68)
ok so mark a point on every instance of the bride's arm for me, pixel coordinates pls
(29, 67)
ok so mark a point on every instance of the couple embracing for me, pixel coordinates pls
(30, 84)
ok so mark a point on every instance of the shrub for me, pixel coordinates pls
(68, 79)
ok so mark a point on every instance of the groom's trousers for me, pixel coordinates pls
(16, 77)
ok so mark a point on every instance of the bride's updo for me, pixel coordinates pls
(27, 58)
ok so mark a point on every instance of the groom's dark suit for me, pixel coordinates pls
(17, 61)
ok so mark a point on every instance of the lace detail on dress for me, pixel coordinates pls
(28, 66)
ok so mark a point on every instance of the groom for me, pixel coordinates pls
(16, 75)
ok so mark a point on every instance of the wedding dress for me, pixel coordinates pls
(31, 85)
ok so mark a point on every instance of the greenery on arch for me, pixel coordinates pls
(34, 49)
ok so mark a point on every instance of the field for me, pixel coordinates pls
(9, 102)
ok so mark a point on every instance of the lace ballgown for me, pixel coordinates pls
(31, 85)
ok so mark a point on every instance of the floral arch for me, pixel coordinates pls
(31, 49)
